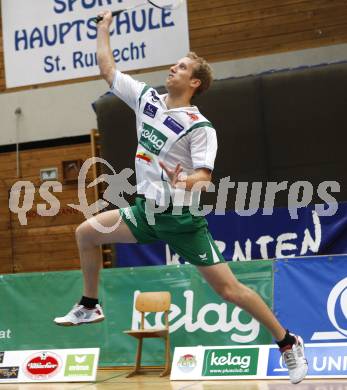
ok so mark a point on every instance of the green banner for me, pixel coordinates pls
(29, 302)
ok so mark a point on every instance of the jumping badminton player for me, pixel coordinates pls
(174, 138)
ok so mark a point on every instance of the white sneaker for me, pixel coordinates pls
(79, 314)
(295, 361)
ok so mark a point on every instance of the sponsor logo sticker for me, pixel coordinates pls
(203, 257)
(155, 98)
(42, 365)
(173, 125)
(79, 365)
(187, 363)
(230, 362)
(9, 372)
(145, 157)
(150, 110)
(152, 139)
(193, 117)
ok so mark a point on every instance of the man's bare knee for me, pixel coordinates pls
(85, 235)
(228, 294)
(236, 294)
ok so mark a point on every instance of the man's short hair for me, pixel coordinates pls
(202, 71)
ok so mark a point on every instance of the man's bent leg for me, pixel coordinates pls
(89, 240)
(223, 281)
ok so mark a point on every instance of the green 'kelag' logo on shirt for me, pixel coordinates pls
(152, 139)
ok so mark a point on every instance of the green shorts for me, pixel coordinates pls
(186, 234)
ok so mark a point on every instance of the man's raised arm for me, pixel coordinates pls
(104, 53)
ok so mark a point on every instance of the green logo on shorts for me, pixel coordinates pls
(152, 139)
(230, 362)
(79, 365)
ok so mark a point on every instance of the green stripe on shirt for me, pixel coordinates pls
(196, 126)
(145, 89)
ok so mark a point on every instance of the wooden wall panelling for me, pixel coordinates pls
(278, 43)
(6, 258)
(45, 249)
(6, 255)
(7, 165)
(31, 161)
(45, 243)
(48, 243)
(262, 31)
(4, 210)
(66, 215)
(256, 22)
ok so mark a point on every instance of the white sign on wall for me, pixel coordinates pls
(53, 40)
(58, 365)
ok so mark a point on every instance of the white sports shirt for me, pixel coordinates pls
(180, 135)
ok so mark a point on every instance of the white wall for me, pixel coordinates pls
(65, 111)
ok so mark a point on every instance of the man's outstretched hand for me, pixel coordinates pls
(177, 179)
(199, 180)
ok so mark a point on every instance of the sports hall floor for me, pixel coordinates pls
(115, 379)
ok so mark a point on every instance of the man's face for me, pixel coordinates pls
(180, 76)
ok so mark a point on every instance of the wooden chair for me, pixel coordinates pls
(152, 302)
